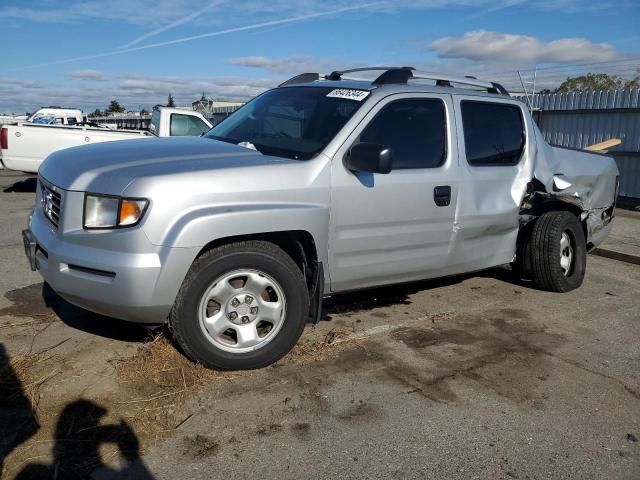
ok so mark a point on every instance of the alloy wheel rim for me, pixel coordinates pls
(242, 311)
(566, 254)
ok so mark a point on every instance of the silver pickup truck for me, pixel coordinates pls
(323, 185)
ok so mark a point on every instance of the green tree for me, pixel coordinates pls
(597, 81)
(203, 98)
(170, 102)
(144, 112)
(114, 107)
(96, 113)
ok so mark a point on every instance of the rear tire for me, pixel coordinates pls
(555, 252)
(241, 306)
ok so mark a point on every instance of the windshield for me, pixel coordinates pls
(293, 122)
(43, 119)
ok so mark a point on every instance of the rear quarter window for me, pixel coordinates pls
(155, 122)
(493, 133)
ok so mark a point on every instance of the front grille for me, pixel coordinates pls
(51, 202)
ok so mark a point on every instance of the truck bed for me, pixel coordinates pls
(29, 144)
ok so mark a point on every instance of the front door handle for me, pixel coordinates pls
(442, 195)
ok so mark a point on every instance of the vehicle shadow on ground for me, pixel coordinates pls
(345, 303)
(93, 323)
(78, 437)
(399, 294)
(27, 185)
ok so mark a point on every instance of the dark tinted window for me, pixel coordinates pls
(414, 129)
(493, 133)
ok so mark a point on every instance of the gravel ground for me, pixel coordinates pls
(468, 377)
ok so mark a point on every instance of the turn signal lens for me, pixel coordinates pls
(130, 212)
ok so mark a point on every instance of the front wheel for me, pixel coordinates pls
(556, 252)
(241, 306)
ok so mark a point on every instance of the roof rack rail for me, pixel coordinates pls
(302, 78)
(447, 80)
(401, 75)
(337, 74)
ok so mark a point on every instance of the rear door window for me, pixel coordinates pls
(493, 133)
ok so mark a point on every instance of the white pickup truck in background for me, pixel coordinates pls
(25, 145)
(47, 116)
(56, 116)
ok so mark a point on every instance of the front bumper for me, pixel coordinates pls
(138, 286)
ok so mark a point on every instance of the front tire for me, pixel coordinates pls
(556, 252)
(241, 306)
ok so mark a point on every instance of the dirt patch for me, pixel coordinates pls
(200, 446)
(423, 337)
(149, 404)
(502, 349)
(302, 430)
(154, 384)
(360, 411)
(266, 430)
(35, 301)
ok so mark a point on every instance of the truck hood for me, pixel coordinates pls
(110, 166)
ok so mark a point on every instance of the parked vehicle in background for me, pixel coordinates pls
(47, 116)
(56, 116)
(25, 145)
(320, 186)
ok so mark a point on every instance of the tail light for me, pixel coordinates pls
(4, 140)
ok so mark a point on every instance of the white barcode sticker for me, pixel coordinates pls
(349, 94)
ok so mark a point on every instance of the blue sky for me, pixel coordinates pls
(84, 53)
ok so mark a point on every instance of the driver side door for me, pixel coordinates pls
(396, 227)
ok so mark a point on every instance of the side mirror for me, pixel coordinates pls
(368, 157)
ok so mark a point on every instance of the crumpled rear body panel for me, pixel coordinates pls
(584, 180)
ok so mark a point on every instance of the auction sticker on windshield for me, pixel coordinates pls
(349, 94)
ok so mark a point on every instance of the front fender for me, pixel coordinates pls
(202, 225)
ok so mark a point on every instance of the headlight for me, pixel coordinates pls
(104, 211)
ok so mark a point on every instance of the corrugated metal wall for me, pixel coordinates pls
(579, 119)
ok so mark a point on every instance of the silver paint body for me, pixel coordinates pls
(368, 229)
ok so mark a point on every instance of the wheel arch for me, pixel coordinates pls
(532, 212)
(298, 244)
(301, 247)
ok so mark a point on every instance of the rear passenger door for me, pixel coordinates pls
(388, 228)
(492, 140)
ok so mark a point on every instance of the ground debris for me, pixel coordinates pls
(199, 446)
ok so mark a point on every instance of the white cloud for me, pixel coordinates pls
(288, 65)
(15, 83)
(130, 89)
(482, 45)
(94, 75)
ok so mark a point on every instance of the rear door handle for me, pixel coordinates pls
(442, 195)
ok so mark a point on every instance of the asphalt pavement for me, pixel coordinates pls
(474, 376)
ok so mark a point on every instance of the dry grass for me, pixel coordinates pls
(155, 384)
(33, 370)
(153, 387)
